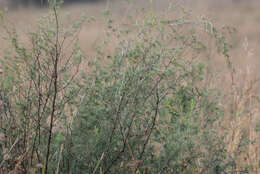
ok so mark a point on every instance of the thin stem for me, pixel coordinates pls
(55, 83)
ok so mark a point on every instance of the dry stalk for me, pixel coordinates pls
(243, 119)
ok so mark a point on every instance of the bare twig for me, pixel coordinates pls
(55, 83)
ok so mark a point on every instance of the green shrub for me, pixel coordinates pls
(38, 87)
(147, 108)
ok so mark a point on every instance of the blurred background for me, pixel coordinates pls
(243, 15)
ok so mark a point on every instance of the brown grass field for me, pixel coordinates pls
(242, 15)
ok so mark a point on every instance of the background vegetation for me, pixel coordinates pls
(151, 103)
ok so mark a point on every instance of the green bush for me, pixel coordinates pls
(38, 87)
(147, 108)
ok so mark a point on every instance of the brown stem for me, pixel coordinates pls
(55, 83)
(152, 127)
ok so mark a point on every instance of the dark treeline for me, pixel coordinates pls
(45, 2)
